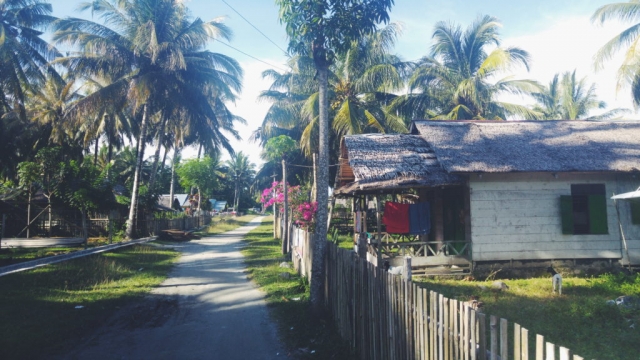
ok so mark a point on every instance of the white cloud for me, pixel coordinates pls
(570, 43)
(249, 108)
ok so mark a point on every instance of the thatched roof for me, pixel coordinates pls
(378, 162)
(533, 146)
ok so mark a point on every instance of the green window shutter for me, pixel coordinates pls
(566, 212)
(635, 211)
(598, 214)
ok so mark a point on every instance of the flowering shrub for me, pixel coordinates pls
(302, 211)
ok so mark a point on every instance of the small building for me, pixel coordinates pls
(501, 191)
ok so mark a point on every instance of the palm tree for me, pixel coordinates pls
(361, 83)
(629, 71)
(241, 172)
(46, 107)
(571, 99)
(24, 55)
(455, 81)
(155, 54)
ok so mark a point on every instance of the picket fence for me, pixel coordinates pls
(384, 316)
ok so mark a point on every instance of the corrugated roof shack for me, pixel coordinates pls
(512, 191)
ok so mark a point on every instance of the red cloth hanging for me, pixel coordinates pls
(396, 217)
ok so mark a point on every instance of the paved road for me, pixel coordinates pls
(206, 309)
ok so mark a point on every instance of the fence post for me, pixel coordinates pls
(504, 339)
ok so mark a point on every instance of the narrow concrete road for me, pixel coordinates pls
(206, 309)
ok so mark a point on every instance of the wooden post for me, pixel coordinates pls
(564, 353)
(516, 342)
(285, 227)
(524, 343)
(539, 347)
(551, 352)
(379, 236)
(482, 338)
(439, 217)
(315, 179)
(494, 337)
(504, 339)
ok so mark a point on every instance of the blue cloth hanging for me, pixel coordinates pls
(420, 218)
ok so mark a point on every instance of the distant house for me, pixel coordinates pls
(165, 201)
(503, 191)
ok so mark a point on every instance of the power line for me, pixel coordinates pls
(251, 56)
(258, 30)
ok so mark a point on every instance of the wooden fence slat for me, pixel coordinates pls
(504, 339)
(576, 357)
(524, 344)
(482, 341)
(446, 324)
(440, 327)
(551, 351)
(466, 332)
(517, 350)
(564, 353)
(494, 337)
(425, 325)
(539, 347)
(473, 332)
(456, 329)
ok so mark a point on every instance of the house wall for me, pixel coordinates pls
(517, 217)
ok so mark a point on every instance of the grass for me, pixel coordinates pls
(9, 256)
(580, 319)
(220, 224)
(288, 300)
(38, 308)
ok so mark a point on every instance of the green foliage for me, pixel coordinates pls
(323, 28)
(277, 148)
(85, 187)
(202, 173)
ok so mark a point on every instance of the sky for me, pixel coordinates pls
(558, 34)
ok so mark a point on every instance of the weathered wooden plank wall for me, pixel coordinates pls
(517, 217)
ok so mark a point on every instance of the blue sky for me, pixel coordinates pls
(557, 33)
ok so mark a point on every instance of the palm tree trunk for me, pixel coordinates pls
(136, 177)
(176, 153)
(156, 159)
(95, 154)
(319, 246)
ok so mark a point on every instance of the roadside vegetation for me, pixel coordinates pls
(47, 310)
(305, 336)
(580, 319)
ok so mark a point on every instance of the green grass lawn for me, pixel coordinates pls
(580, 319)
(38, 308)
(288, 300)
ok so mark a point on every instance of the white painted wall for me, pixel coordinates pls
(517, 217)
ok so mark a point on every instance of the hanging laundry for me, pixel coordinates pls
(419, 218)
(396, 217)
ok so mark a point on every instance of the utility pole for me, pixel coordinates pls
(285, 230)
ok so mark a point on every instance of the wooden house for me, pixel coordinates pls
(501, 191)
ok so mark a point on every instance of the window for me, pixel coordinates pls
(585, 211)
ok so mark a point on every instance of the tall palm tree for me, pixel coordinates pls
(241, 171)
(155, 52)
(24, 55)
(47, 105)
(361, 82)
(571, 99)
(456, 80)
(629, 71)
